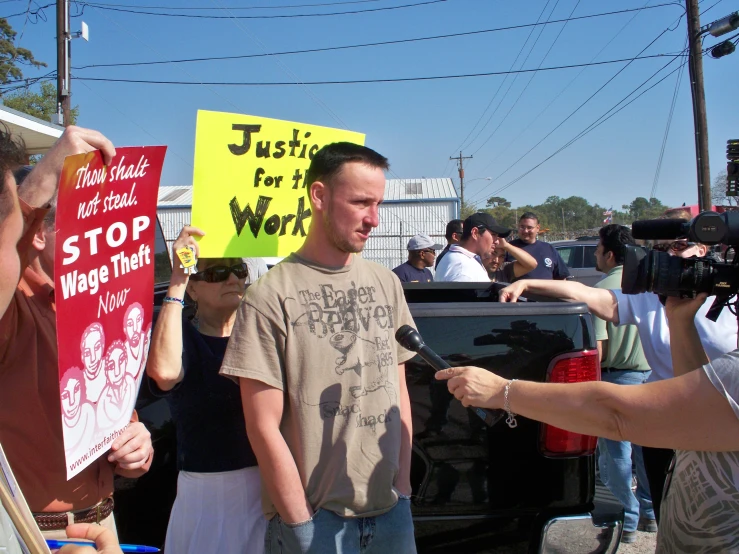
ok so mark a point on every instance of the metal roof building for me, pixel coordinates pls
(411, 206)
(173, 209)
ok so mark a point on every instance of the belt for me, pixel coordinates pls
(57, 521)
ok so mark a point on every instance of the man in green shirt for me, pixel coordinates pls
(622, 362)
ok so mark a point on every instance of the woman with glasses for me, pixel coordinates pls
(218, 504)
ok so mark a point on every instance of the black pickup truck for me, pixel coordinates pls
(475, 489)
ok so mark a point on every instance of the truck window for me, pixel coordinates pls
(570, 255)
(162, 264)
(588, 256)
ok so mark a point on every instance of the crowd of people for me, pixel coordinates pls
(277, 455)
(477, 252)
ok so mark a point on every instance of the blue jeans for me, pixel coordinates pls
(615, 463)
(329, 533)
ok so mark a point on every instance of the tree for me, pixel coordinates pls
(41, 104)
(11, 57)
(641, 208)
(718, 192)
(494, 201)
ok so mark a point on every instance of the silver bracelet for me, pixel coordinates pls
(511, 419)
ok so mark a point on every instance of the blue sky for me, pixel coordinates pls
(419, 124)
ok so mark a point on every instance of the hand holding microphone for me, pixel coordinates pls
(409, 338)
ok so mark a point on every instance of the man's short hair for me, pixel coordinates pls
(454, 226)
(329, 160)
(12, 155)
(614, 238)
(529, 215)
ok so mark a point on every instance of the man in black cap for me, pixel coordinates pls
(453, 236)
(480, 235)
(421, 253)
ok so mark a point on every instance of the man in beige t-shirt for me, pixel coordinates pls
(323, 379)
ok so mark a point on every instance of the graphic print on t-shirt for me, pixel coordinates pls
(359, 327)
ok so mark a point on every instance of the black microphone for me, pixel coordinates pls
(411, 339)
(660, 229)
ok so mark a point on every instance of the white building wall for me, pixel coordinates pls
(172, 221)
(399, 221)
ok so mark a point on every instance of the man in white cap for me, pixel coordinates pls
(421, 255)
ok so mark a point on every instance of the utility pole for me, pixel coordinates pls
(563, 223)
(460, 165)
(700, 122)
(63, 62)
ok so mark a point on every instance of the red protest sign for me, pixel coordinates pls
(104, 293)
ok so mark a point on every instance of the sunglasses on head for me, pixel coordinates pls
(676, 246)
(219, 273)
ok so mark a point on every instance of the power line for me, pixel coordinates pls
(369, 44)
(604, 85)
(290, 73)
(189, 8)
(197, 16)
(527, 84)
(598, 122)
(495, 94)
(364, 81)
(667, 132)
(561, 92)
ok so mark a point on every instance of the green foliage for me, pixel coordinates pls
(567, 215)
(11, 58)
(641, 208)
(42, 104)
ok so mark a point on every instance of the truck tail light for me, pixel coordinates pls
(574, 367)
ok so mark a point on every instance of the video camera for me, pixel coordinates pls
(667, 275)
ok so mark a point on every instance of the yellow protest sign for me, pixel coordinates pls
(249, 189)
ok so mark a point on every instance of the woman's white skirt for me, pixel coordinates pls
(217, 512)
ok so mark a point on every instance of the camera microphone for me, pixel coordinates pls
(411, 339)
(660, 229)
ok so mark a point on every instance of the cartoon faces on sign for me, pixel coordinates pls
(120, 391)
(78, 415)
(92, 349)
(133, 323)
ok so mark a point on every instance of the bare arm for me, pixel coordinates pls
(403, 479)
(41, 184)
(685, 344)
(601, 302)
(263, 406)
(165, 355)
(524, 263)
(686, 412)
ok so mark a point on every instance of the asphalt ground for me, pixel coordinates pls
(607, 505)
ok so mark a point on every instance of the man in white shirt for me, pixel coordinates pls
(480, 234)
(648, 314)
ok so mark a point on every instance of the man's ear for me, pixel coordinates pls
(318, 194)
(39, 239)
(702, 250)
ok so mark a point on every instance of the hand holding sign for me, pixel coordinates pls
(104, 278)
(187, 250)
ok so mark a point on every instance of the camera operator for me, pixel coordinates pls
(648, 314)
(696, 413)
